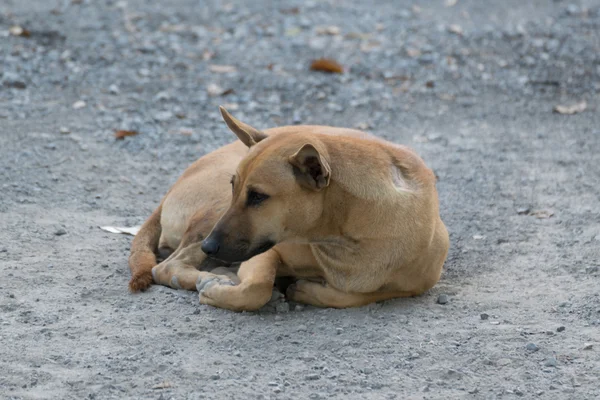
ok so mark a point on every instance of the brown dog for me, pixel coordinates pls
(353, 218)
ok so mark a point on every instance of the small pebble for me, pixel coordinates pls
(113, 89)
(484, 316)
(339, 331)
(312, 377)
(442, 299)
(79, 104)
(215, 377)
(64, 130)
(551, 362)
(532, 347)
(60, 232)
(588, 346)
(560, 329)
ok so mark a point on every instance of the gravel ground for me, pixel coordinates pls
(471, 86)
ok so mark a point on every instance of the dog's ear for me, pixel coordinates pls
(247, 134)
(313, 168)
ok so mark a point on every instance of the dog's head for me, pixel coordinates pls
(278, 193)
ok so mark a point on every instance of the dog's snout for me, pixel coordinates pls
(210, 246)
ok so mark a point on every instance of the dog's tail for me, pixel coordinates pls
(143, 252)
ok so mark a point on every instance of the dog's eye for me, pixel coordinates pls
(255, 198)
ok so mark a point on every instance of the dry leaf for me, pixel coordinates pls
(570, 110)
(222, 69)
(328, 30)
(542, 214)
(456, 29)
(120, 134)
(327, 65)
(293, 31)
(17, 30)
(79, 104)
(290, 11)
(162, 385)
(115, 229)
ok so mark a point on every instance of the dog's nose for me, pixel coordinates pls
(210, 247)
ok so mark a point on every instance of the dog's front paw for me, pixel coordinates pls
(205, 284)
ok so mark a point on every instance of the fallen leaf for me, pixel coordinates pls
(327, 65)
(17, 30)
(121, 134)
(328, 30)
(456, 29)
(162, 385)
(572, 109)
(115, 229)
(222, 69)
(79, 104)
(293, 31)
(542, 214)
(290, 11)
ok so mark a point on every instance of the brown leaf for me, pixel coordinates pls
(162, 385)
(222, 69)
(542, 214)
(572, 109)
(120, 134)
(328, 30)
(327, 65)
(17, 30)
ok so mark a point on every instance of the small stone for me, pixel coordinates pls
(64, 130)
(494, 322)
(60, 232)
(588, 346)
(591, 269)
(339, 331)
(297, 118)
(272, 384)
(523, 210)
(484, 316)
(302, 328)
(215, 377)
(12, 296)
(276, 390)
(551, 362)
(163, 115)
(312, 377)
(282, 307)
(532, 347)
(113, 89)
(442, 299)
(13, 80)
(79, 105)
(299, 307)
(4, 250)
(560, 329)
(104, 265)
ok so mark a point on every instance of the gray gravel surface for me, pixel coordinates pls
(470, 86)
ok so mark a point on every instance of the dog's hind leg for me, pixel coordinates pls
(256, 279)
(324, 295)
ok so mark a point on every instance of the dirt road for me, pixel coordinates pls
(471, 86)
